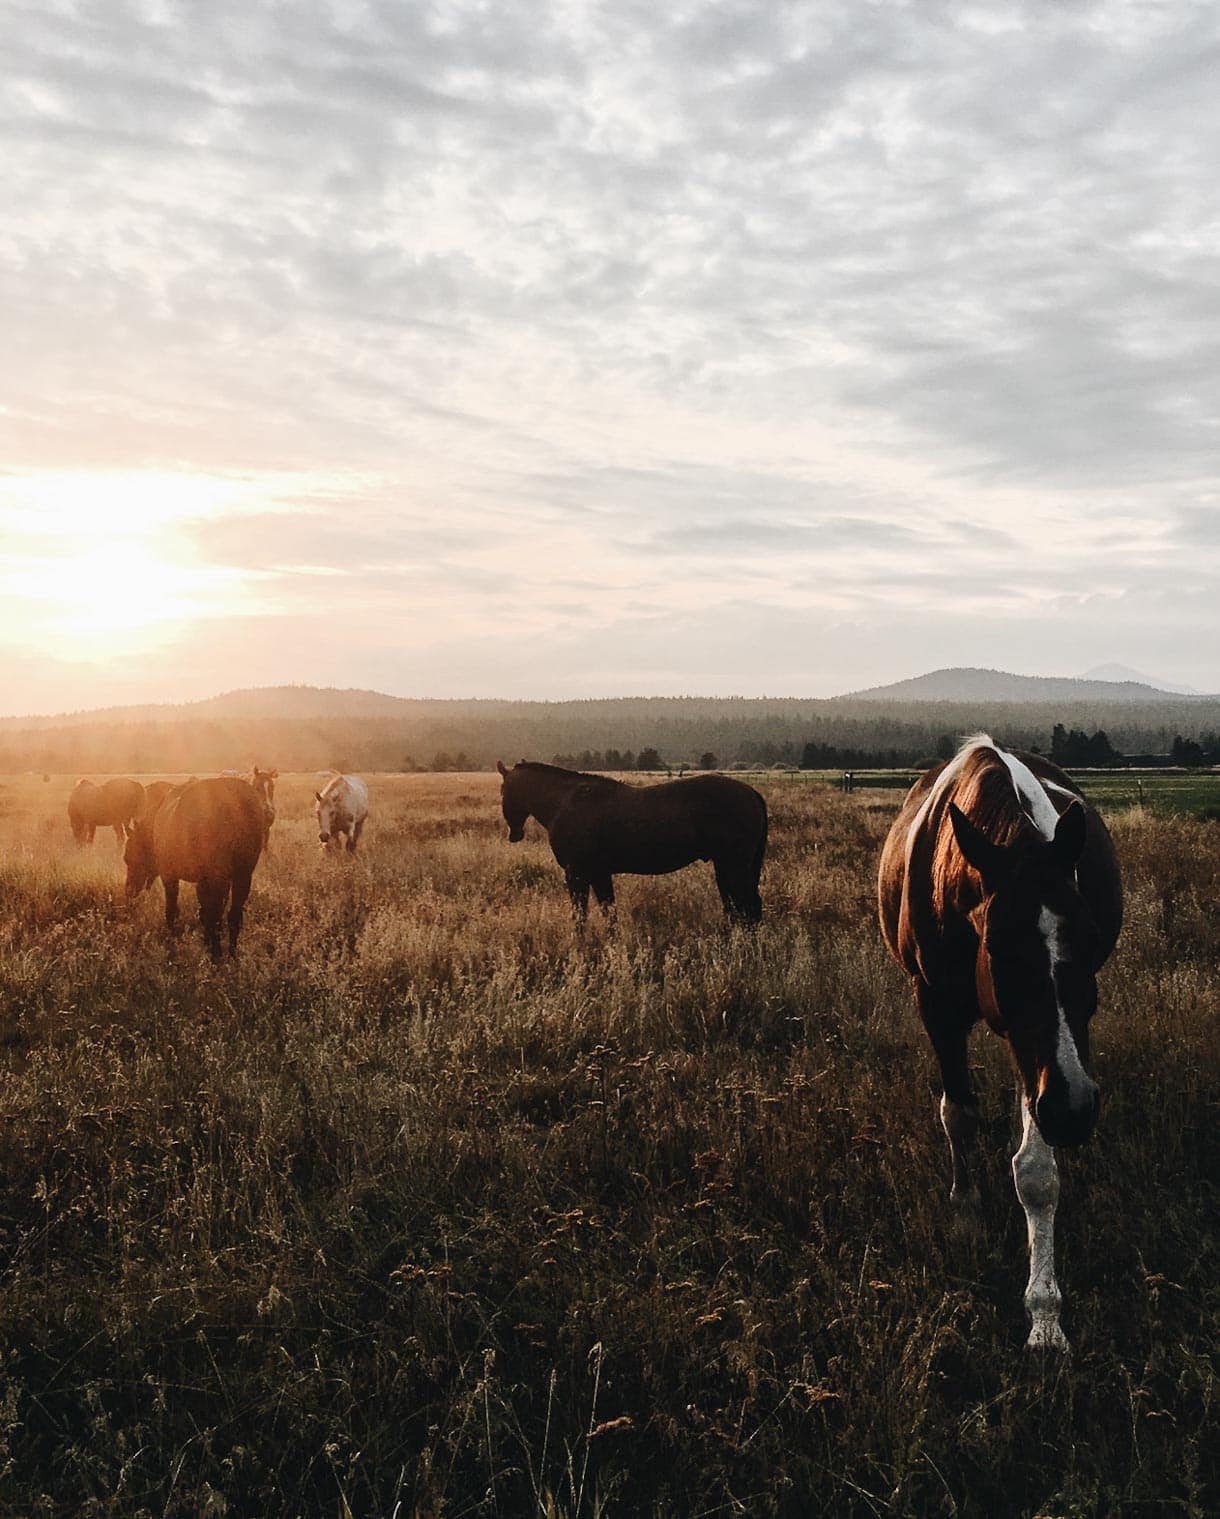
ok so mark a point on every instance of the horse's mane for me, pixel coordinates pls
(984, 789)
(574, 775)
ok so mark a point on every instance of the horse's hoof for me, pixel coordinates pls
(1046, 1335)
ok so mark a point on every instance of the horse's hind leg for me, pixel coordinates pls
(237, 905)
(211, 907)
(738, 892)
(171, 904)
(958, 1112)
(353, 838)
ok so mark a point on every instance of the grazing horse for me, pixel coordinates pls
(209, 832)
(600, 828)
(342, 808)
(115, 804)
(263, 782)
(1000, 895)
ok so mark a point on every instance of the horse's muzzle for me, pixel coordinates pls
(1064, 1124)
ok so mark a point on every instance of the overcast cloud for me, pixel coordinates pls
(713, 347)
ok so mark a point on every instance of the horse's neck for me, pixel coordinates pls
(548, 794)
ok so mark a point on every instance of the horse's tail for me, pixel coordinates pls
(760, 852)
(762, 837)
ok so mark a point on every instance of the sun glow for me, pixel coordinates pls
(96, 566)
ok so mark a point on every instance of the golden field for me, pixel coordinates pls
(433, 1204)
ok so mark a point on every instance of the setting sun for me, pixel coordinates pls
(101, 565)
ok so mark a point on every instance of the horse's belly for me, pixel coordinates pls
(648, 862)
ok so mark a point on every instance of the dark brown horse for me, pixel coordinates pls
(600, 828)
(1000, 896)
(209, 832)
(114, 804)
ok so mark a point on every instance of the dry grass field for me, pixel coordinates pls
(432, 1205)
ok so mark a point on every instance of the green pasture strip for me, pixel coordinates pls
(1184, 793)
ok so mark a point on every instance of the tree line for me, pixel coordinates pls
(735, 732)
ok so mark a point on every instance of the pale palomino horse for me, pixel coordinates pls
(342, 809)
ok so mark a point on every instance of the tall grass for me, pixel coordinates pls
(432, 1204)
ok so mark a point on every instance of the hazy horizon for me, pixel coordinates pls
(581, 350)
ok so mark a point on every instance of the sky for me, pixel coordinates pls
(555, 349)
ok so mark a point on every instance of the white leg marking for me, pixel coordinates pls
(1037, 1181)
(960, 1124)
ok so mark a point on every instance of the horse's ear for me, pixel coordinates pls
(1070, 832)
(977, 849)
(500, 767)
(275, 775)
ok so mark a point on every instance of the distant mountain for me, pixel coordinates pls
(1126, 673)
(281, 702)
(972, 685)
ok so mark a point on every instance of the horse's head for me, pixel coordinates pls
(139, 858)
(513, 802)
(263, 782)
(328, 810)
(1038, 954)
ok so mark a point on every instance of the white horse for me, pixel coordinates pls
(342, 807)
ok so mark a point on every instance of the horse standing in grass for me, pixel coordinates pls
(1000, 895)
(600, 828)
(209, 832)
(342, 808)
(114, 804)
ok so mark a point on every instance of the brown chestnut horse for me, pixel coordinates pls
(263, 782)
(114, 804)
(600, 828)
(1000, 895)
(209, 832)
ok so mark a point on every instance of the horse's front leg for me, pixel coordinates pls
(959, 1115)
(1036, 1176)
(603, 890)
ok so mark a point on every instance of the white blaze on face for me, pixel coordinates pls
(1067, 1057)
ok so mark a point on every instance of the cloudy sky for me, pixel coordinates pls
(554, 349)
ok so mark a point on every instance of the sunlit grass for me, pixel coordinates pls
(433, 1204)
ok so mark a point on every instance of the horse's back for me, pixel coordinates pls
(348, 792)
(652, 830)
(121, 799)
(209, 828)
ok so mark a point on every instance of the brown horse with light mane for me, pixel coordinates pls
(600, 828)
(1000, 895)
(114, 804)
(209, 832)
